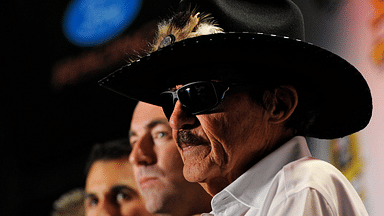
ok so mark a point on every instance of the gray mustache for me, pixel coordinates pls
(187, 137)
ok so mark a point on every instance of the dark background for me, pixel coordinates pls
(47, 131)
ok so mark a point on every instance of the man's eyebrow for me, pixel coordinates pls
(88, 195)
(118, 188)
(151, 125)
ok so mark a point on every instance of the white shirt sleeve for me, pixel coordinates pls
(310, 202)
(305, 202)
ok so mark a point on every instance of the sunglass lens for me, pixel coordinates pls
(195, 98)
(198, 97)
(167, 102)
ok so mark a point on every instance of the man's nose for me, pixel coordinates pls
(143, 151)
(180, 119)
(106, 208)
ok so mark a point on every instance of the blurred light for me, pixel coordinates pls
(93, 22)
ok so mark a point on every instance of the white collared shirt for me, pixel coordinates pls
(289, 182)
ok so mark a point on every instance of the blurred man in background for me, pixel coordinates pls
(110, 186)
(158, 166)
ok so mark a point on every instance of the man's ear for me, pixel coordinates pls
(281, 103)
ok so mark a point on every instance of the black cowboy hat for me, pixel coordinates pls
(275, 50)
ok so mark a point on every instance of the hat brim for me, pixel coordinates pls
(340, 91)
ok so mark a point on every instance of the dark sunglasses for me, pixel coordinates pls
(198, 97)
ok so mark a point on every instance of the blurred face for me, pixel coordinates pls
(218, 147)
(158, 166)
(111, 190)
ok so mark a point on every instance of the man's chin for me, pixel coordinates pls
(154, 207)
(192, 178)
(193, 173)
(196, 160)
(158, 200)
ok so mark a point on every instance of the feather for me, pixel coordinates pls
(185, 25)
(179, 27)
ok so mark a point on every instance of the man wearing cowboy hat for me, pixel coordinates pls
(240, 104)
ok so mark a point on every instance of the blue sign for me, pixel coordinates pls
(94, 22)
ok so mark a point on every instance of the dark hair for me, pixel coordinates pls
(303, 116)
(108, 151)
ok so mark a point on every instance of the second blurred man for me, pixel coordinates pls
(110, 186)
(158, 166)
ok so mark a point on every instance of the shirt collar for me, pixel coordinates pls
(252, 186)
